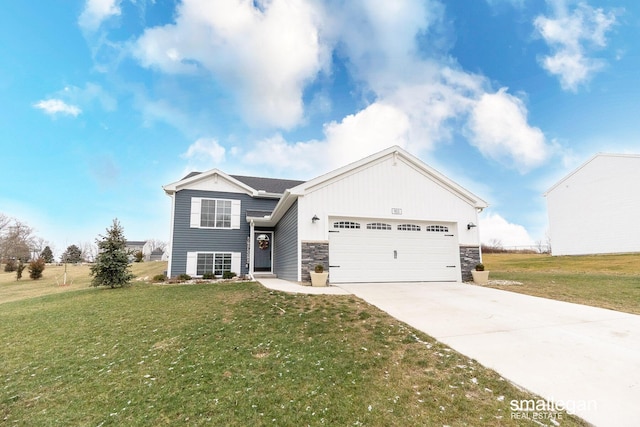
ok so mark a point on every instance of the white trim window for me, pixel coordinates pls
(199, 263)
(408, 227)
(346, 224)
(215, 213)
(437, 229)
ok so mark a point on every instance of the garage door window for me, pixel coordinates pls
(408, 227)
(378, 226)
(346, 224)
(437, 228)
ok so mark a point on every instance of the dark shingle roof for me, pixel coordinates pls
(191, 174)
(270, 185)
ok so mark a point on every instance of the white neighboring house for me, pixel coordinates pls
(145, 246)
(596, 208)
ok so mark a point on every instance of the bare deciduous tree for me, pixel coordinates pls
(89, 251)
(16, 239)
(153, 244)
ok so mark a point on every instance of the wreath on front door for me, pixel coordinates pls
(263, 241)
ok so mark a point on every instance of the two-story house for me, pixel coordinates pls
(388, 217)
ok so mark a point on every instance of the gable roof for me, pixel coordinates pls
(269, 185)
(291, 195)
(585, 164)
(252, 185)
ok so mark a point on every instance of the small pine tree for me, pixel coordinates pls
(73, 255)
(47, 255)
(36, 268)
(112, 263)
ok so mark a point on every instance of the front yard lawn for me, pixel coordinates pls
(234, 355)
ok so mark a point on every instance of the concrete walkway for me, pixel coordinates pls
(586, 357)
(296, 288)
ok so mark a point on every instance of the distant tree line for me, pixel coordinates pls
(495, 246)
(19, 246)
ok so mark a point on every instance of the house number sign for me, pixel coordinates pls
(396, 211)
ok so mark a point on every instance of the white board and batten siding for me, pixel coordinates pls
(596, 208)
(395, 192)
(381, 250)
(390, 188)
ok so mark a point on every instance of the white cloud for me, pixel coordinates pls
(379, 38)
(373, 129)
(498, 127)
(266, 53)
(96, 12)
(418, 102)
(298, 160)
(494, 228)
(90, 93)
(57, 106)
(264, 56)
(370, 130)
(206, 151)
(572, 36)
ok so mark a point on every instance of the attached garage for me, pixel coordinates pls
(385, 218)
(383, 250)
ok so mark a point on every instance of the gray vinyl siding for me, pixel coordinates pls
(187, 239)
(286, 247)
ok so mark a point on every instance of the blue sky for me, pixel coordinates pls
(104, 101)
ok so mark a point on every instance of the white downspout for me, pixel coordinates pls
(252, 238)
(170, 250)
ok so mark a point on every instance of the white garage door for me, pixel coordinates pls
(392, 251)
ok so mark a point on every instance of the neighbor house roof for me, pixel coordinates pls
(598, 155)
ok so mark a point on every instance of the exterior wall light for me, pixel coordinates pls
(314, 219)
(470, 226)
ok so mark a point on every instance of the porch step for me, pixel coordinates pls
(265, 276)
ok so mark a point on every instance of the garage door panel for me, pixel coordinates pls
(371, 255)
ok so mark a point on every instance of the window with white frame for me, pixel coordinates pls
(437, 228)
(215, 213)
(408, 227)
(346, 224)
(199, 263)
(378, 226)
(216, 263)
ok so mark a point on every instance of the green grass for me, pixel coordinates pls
(52, 281)
(607, 281)
(233, 355)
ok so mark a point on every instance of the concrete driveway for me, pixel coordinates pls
(587, 358)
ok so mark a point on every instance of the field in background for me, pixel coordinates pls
(607, 281)
(53, 278)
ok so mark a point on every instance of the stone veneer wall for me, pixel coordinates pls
(317, 252)
(469, 257)
(313, 253)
